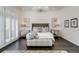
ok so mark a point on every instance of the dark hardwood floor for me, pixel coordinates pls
(60, 44)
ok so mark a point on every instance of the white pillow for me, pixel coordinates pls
(32, 35)
(45, 29)
(29, 36)
(35, 35)
(35, 29)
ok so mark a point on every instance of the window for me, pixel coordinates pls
(13, 28)
(8, 29)
(16, 28)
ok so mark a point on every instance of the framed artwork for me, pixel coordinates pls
(74, 22)
(66, 23)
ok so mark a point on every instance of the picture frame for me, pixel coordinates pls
(74, 23)
(66, 23)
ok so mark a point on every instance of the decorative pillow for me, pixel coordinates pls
(45, 29)
(35, 29)
(30, 36)
(35, 35)
(39, 29)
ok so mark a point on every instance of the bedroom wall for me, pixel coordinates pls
(70, 34)
(43, 17)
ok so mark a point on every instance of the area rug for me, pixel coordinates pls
(35, 51)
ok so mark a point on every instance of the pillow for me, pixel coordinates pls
(35, 29)
(30, 36)
(35, 35)
(39, 29)
(45, 29)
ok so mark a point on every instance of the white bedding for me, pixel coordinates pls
(45, 39)
(47, 35)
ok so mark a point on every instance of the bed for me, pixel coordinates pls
(40, 36)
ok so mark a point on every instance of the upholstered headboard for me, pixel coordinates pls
(40, 26)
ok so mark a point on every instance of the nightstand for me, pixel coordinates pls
(56, 36)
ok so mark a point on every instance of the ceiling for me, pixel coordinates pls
(40, 8)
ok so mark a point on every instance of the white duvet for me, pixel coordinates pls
(47, 35)
(45, 39)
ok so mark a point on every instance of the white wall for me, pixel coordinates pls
(71, 34)
(43, 17)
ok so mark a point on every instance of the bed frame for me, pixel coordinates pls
(41, 25)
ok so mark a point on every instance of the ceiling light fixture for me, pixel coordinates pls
(40, 8)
